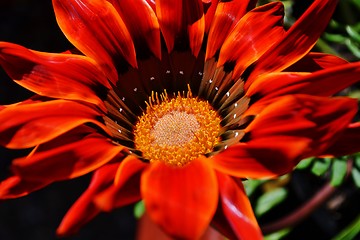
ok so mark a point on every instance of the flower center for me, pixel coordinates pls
(178, 130)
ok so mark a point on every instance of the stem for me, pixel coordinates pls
(306, 209)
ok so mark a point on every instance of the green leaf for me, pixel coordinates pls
(338, 172)
(251, 185)
(357, 160)
(352, 47)
(269, 199)
(337, 38)
(277, 235)
(355, 173)
(321, 166)
(356, 3)
(350, 232)
(353, 33)
(305, 163)
(139, 209)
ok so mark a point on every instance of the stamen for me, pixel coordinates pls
(176, 130)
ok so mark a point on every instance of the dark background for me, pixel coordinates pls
(31, 23)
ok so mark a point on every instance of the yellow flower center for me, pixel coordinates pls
(178, 130)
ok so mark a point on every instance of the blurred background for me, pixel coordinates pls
(334, 214)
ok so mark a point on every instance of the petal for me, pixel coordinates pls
(261, 158)
(126, 188)
(236, 208)
(182, 201)
(315, 61)
(320, 119)
(286, 131)
(75, 158)
(298, 40)
(14, 187)
(84, 209)
(227, 15)
(147, 229)
(181, 22)
(321, 83)
(43, 73)
(209, 10)
(246, 43)
(347, 142)
(142, 23)
(97, 30)
(27, 125)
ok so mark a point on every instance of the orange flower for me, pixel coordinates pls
(172, 102)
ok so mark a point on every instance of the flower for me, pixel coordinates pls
(173, 102)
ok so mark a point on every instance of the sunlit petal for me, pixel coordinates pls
(185, 208)
(97, 30)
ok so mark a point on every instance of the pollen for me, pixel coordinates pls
(176, 130)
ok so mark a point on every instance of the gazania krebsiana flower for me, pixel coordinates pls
(173, 101)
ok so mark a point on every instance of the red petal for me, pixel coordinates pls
(67, 161)
(321, 83)
(182, 201)
(298, 41)
(246, 43)
(97, 30)
(317, 118)
(288, 130)
(236, 209)
(142, 24)
(43, 73)
(314, 61)
(347, 142)
(261, 158)
(126, 189)
(227, 15)
(27, 125)
(209, 10)
(181, 21)
(84, 209)
(14, 187)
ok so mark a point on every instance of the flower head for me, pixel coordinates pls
(173, 102)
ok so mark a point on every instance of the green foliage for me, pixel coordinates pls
(338, 172)
(269, 200)
(350, 232)
(277, 235)
(333, 168)
(251, 185)
(139, 209)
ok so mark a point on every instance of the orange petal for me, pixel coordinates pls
(142, 24)
(227, 15)
(76, 159)
(209, 10)
(246, 43)
(321, 83)
(27, 125)
(315, 61)
(15, 186)
(236, 209)
(126, 188)
(43, 73)
(347, 143)
(320, 119)
(181, 22)
(297, 41)
(83, 210)
(286, 131)
(181, 200)
(261, 158)
(97, 30)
